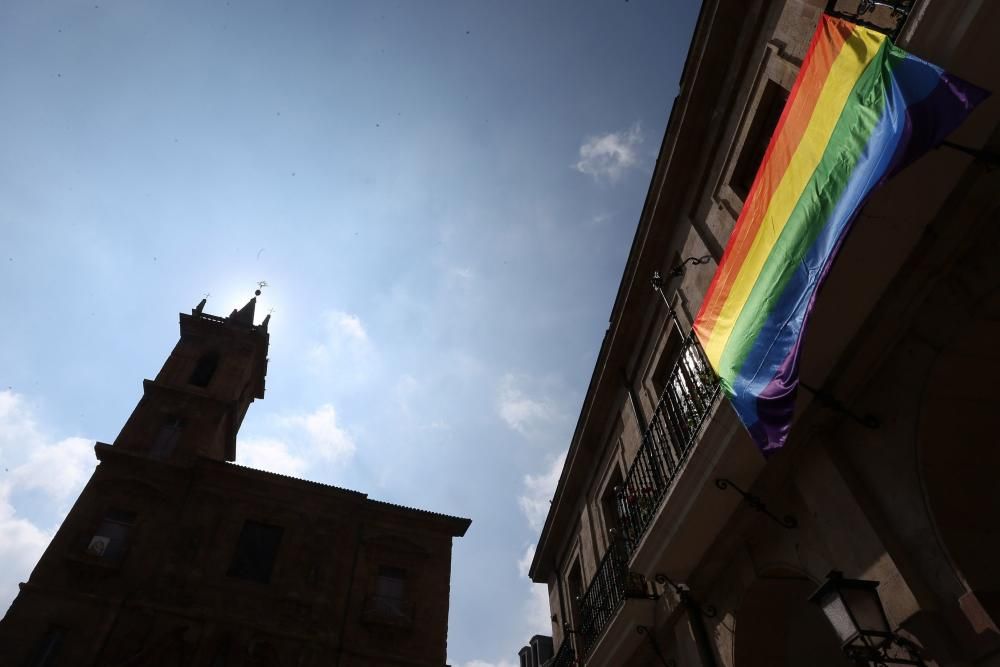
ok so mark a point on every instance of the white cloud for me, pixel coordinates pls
(600, 219)
(22, 545)
(59, 469)
(271, 455)
(524, 562)
(521, 412)
(459, 277)
(538, 492)
(537, 612)
(348, 325)
(32, 461)
(608, 156)
(328, 439)
(295, 443)
(344, 341)
(534, 610)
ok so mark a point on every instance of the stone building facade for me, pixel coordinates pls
(173, 555)
(651, 550)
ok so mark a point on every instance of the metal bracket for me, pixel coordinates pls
(684, 593)
(827, 400)
(755, 503)
(900, 11)
(879, 657)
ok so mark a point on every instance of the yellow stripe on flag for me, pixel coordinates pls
(858, 51)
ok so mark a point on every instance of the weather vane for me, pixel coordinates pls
(261, 285)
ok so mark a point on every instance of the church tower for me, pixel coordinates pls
(174, 555)
(198, 400)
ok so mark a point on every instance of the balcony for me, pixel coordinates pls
(564, 657)
(692, 438)
(608, 590)
(690, 392)
(669, 507)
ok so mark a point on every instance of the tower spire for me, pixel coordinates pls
(245, 314)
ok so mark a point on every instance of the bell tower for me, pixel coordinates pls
(196, 403)
(172, 556)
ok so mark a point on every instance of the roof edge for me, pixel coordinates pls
(703, 26)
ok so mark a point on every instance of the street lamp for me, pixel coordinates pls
(854, 609)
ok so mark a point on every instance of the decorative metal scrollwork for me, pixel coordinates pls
(899, 10)
(755, 503)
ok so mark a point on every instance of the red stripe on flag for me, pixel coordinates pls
(826, 45)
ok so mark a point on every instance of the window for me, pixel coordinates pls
(609, 504)
(47, 648)
(574, 584)
(166, 439)
(664, 365)
(390, 589)
(765, 120)
(205, 369)
(255, 552)
(112, 535)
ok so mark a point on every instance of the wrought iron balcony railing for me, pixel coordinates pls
(565, 656)
(611, 586)
(690, 391)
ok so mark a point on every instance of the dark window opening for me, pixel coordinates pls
(665, 364)
(765, 120)
(256, 552)
(112, 535)
(166, 439)
(47, 649)
(609, 506)
(205, 369)
(390, 590)
(574, 583)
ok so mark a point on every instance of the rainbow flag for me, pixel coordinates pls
(860, 110)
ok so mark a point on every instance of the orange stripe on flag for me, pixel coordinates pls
(791, 127)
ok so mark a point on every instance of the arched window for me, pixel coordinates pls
(205, 369)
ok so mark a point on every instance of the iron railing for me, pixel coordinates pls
(611, 585)
(688, 394)
(565, 656)
(212, 318)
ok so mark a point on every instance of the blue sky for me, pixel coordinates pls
(440, 195)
